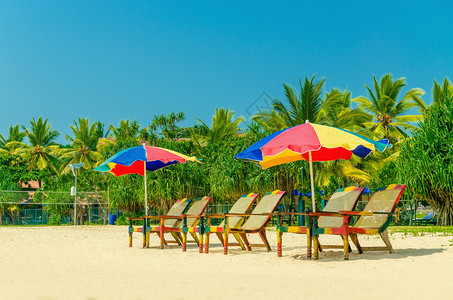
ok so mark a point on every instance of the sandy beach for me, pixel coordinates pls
(95, 262)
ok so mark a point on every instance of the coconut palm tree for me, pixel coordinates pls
(441, 95)
(337, 111)
(223, 127)
(15, 135)
(126, 131)
(84, 145)
(40, 154)
(389, 112)
(296, 109)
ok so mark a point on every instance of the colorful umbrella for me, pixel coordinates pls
(137, 160)
(311, 142)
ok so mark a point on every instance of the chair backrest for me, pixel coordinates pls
(197, 208)
(178, 208)
(384, 200)
(267, 205)
(343, 199)
(428, 216)
(242, 206)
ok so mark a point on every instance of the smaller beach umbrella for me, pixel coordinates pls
(310, 142)
(137, 160)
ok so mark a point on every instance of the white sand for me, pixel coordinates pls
(95, 263)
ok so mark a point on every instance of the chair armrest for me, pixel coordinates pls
(214, 216)
(192, 216)
(163, 217)
(325, 214)
(364, 213)
(291, 213)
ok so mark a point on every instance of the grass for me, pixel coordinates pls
(422, 230)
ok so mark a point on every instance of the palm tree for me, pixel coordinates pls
(298, 107)
(167, 125)
(40, 154)
(441, 94)
(15, 135)
(389, 112)
(126, 131)
(84, 145)
(337, 111)
(223, 127)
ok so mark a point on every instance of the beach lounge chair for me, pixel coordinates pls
(173, 224)
(341, 200)
(178, 208)
(373, 220)
(430, 218)
(242, 206)
(256, 221)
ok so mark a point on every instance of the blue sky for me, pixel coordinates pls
(113, 60)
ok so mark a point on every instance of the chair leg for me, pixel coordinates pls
(130, 239)
(279, 243)
(385, 238)
(225, 241)
(264, 238)
(239, 240)
(355, 241)
(200, 246)
(184, 241)
(206, 242)
(246, 241)
(315, 246)
(161, 237)
(346, 247)
(309, 244)
(220, 236)
(194, 236)
(147, 240)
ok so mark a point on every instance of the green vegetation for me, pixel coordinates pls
(420, 156)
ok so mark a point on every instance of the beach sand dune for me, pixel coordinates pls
(95, 262)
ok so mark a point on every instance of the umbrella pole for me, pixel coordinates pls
(310, 160)
(146, 190)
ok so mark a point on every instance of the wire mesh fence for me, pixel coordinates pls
(56, 207)
(53, 207)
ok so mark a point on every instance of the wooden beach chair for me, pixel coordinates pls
(256, 221)
(373, 220)
(175, 228)
(178, 208)
(341, 200)
(241, 206)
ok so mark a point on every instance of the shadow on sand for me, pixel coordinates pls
(330, 255)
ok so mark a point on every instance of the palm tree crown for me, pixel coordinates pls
(297, 108)
(388, 111)
(84, 145)
(40, 153)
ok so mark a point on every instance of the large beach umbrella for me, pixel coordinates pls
(310, 142)
(137, 160)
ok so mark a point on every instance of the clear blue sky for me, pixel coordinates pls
(113, 60)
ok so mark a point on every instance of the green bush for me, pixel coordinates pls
(54, 219)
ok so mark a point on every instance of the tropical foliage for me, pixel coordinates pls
(425, 160)
(390, 113)
(387, 111)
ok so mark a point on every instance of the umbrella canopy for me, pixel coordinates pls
(130, 160)
(310, 142)
(137, 160)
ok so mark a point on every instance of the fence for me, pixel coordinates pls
(52, 207)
